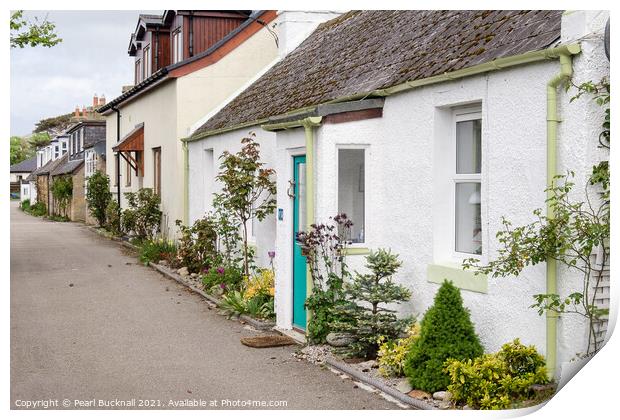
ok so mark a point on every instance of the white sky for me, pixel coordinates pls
(46, 82)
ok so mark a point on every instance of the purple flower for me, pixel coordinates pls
(272, 254)
(223, 286)
(220, 270)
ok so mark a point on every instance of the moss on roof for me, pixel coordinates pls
(361, 51)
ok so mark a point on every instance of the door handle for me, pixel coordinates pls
(290, 191)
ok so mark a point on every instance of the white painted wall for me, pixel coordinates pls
(204, 166)
(294, 26)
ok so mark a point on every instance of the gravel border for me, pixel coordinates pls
(394, 393)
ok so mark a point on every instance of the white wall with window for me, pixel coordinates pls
(351, 189)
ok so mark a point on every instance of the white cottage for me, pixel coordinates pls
(425, 127)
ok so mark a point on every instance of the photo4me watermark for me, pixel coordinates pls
(52, 404)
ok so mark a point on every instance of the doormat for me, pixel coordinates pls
(264, 341)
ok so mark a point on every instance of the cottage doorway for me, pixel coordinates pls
(299, 261)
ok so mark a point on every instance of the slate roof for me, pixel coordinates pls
(27, 165)
(48, 167)
(66, 166)
(361, 51)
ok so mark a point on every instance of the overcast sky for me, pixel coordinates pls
(92, 58)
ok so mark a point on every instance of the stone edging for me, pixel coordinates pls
(404, 398)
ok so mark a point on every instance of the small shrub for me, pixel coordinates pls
(392, 353)
(446, 333)
(197, 247)
(228, 278)
(261, 284)
(495, 381)
(25, 205)
(156, 250)
(143, 216)
(98, 196)
(58, 218)
(363, 315)
(113, 219)
(38, 209)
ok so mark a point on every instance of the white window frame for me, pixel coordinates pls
(177, 45)
(460, 115)
(365, 148)
(147, 61)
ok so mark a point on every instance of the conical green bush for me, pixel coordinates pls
(446, 332)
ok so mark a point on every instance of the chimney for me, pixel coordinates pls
(76, 113)
(95, 101)
(102, 100)
(295, 26)
(84, 111)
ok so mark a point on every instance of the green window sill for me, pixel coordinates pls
(356, 251)
(463, 279)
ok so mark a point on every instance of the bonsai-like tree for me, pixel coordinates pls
(98, 196)
(446, 333)
(248, 190)
(363, 316)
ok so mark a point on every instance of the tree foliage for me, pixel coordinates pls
(30, 34)
(446, 333)
(53, 125)
(98, 196)
(248, 190)
(363, 314)
(142, 216)
(23, 148)
(62, 191)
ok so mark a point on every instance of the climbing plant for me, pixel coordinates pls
(98, 196)
(577, 236)
(62, 191)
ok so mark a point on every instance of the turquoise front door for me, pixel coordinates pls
(299, 261)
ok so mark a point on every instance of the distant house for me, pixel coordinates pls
(187, 63)
(87, 134)
(19, 173)
(425, 128)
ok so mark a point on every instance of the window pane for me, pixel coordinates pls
(351, 189)
(301, 197)
(468, 226)
(468, 147)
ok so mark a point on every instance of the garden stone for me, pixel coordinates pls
(339, 339)
(183, 271)
(420, 395)
(193, 275)
(442, 395)
(162, 262)
(404, 386)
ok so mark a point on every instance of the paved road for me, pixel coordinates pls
(88, 322)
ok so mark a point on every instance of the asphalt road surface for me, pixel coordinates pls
(90, 326)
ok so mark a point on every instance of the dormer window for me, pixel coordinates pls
(177, 46)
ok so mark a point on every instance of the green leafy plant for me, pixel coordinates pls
(62, 191)
(98, 196)
(248, 190)
(25, 205)
(143, 216)
(197, 246)
(392, 353)
(571, 233)
(446, 332)
(156, 250)
(25, 33)
(233, 304)
(324, 246)
(364, 315)
(113, 219)
(227, 278)
(496, 381)
(37, 209)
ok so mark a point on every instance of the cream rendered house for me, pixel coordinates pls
(426, 144)
(187, 64)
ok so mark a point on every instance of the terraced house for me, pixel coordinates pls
(426, 128)
(187, 63)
